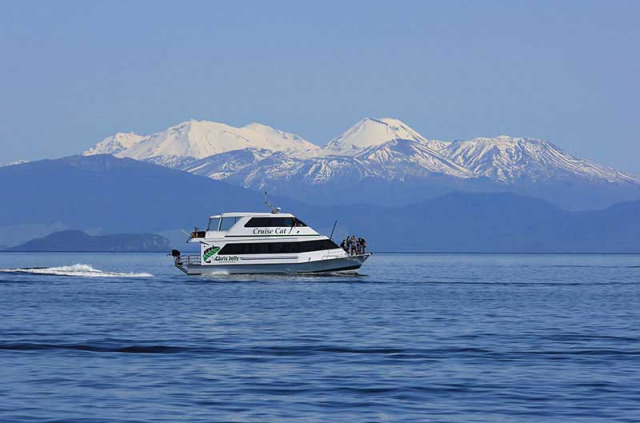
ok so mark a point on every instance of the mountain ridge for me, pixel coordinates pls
(199, 139)
(109, 195)
(76, 240)
(373, 155)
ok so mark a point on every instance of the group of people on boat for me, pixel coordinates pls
(354, 246)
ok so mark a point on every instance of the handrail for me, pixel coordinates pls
(188, 259)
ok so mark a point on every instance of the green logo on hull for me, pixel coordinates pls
(210, 252)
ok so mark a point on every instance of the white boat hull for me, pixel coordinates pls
(340, 264)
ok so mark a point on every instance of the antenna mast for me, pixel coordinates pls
(274, 210)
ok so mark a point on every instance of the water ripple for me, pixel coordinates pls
(443, 338)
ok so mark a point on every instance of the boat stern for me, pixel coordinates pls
(189, 264)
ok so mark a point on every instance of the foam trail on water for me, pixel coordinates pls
(83, 270)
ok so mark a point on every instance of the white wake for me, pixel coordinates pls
(83, 270)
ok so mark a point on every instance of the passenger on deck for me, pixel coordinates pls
(363, 245)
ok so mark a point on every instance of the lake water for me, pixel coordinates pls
(416, 338)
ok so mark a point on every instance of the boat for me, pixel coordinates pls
(275, 242)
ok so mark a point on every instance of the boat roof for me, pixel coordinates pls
(252, 214)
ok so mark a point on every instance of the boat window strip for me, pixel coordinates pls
(275, 222)
(293, 247)
(264, 236)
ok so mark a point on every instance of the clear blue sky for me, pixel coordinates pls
(72, 73)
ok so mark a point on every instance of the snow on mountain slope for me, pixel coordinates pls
(279, 169)
(200, 139)
(14, 163)
(282, 141)
(372, 132)
(115, 144)
(173, 162)
(404, 157)
(226, 165)
(509, 160)
(395, 160)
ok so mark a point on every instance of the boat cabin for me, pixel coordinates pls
(238, 224)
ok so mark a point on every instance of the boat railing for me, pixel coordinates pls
(192, 259)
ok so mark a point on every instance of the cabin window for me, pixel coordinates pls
(228, 222)
(278, 247)
(213, 224)
(274, 222)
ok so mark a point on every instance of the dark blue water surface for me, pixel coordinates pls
(417, 338)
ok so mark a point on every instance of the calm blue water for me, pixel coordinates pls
(419, 338)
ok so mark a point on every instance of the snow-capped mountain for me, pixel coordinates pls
(197, 140)
(508, 159)
(374, 132)
(375, 156)
(383, 149)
